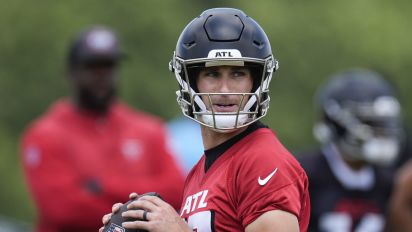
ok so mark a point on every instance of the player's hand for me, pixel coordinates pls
(106, 217)
(133, 196)
(115, 208)
(160, 216)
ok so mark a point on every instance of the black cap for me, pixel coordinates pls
(94, 44)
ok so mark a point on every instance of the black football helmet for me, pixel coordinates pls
(223, 36)
(360, 113)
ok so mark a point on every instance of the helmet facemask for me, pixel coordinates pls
(366, 131)
(252, 106)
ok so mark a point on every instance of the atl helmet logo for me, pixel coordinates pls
(224, 53)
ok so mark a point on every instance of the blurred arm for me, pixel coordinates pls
(58, 190)
(400, 208)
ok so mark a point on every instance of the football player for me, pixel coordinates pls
(361, 133)
(246, 180)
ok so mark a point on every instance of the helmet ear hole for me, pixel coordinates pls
(265, 96)
(186, 96)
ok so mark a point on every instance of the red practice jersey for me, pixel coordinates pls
(255, 175)
(78, 164)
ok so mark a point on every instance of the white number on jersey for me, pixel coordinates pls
(201, 221)
(342, 222)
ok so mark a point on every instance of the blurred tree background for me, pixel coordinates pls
(311, 39)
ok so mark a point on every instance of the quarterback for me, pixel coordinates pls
(246, 180)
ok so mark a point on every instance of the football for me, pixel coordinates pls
(115, 223)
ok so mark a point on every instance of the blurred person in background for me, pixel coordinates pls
(91, 150)
(350, 176)
(400, 206)
(182, 130)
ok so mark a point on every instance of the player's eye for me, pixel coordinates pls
(210, 73)
(238, 73)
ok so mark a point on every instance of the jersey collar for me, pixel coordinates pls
(214, 153)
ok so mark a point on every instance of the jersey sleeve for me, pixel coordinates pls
(57, 189)
(269, 179)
